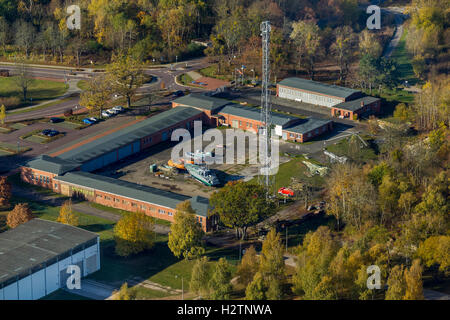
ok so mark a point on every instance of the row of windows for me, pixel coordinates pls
(134, 205)
(306, 96)
(40, 178)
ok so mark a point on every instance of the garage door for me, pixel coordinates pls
(91, 264)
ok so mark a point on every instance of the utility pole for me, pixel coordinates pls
(266, 179)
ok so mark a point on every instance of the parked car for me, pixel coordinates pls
(118, 109)
(106, 114)
(88, 121)
(45, 132)
(53, 133)
(56, 120)
(112, 112)
(178, 93)
(94, 119)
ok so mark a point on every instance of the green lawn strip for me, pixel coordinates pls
(63, 295)
(124, 212)
(142, 293)
(6, 130)
(18, 125)
(39, 90)
(50, 104)
(186, 80)
(14, 149)
(37, 137)
(403, 58)
(68, 125)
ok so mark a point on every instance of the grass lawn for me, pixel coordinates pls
(211, 71)
(40, 90)
(403, 59)
(82, 85)
(13, 148)
(358, 153)
(186, 79)
(295, 168)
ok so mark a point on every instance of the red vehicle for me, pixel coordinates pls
(286, 192)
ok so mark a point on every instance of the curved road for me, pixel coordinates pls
(166, 73)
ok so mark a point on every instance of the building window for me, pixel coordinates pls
(240, 123)
(160, 211)
(134, 205)
(170, 213)
(117, 200)
(250, 125)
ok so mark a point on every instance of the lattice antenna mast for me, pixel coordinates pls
(266, 118)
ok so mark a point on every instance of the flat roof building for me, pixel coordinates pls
(343, 102)
(35, 255)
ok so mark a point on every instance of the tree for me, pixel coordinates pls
(306, 37)
(248, 267)
(342, 49)
(271, 260)
(220, 281)
(25, 35)
(240, 205)
(396, 284)
(186, 233)
(350, 196)
(23, 78)
(4, 32)
(368, 71)
(5, 191)
(369, 44)
(413, 279)
(256, 289)
(123, 294)
(133, 234)
(436, 251)
(314, 257)
(200, 277)
(20, 214)
(66, 214)
(97, 94)
(125, 76)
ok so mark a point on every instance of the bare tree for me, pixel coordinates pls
(25, 36)
(23, 77)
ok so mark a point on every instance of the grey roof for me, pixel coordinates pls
(307, 125)
(202, 101)
(200, 205)
(54, 165)
(354, 105)
(129, 134)
(36, 242)
(319, 87)
(127, 189)
(254, 114)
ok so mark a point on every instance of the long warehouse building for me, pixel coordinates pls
(34, 258)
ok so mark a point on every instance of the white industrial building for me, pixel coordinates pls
(313, 92)
(35, 255)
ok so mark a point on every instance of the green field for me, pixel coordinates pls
(403, 59)
(297, 169)
(358, 152)
(39, 91)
